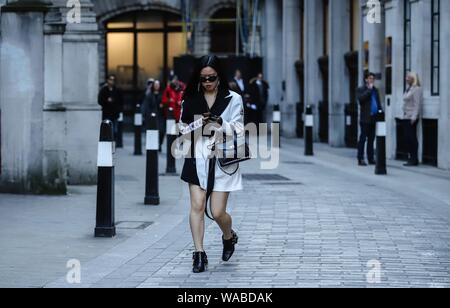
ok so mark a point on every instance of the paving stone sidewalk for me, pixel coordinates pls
(313, 222)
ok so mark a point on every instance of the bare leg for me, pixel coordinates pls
(197, 216)
(219, 202)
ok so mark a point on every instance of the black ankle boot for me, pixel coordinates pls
(200, 262)
(228, 246)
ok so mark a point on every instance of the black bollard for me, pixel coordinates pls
(105, 221)
(380, 168)
(276, 119)
(348, 125)
(309, 126)
(171, 138)
(152, 146)
(119, 137)
(138, 131)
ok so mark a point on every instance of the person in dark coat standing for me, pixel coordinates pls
(110, 98)
(259, 92)
(240, 86)
(370, 104)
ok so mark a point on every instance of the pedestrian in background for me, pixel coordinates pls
(412, 104)
(370, 103)
(110, 98)
(240, 86)
(147, 107)
(259, 93)
(173, 96)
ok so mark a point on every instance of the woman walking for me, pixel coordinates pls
(412, 104)
(207, 95)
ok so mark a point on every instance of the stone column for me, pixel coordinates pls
(55, 154)
(394, 29)
(313, 50)
(375, 34)
(80, 90)
(273, 60)
(291, 54)
(339, 29)
(444, 118)
(22, 98)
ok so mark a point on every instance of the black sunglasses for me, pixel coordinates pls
(209, 79)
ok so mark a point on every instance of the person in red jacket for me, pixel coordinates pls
(172, 98)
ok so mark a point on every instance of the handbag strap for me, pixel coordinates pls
(210, 186)
(235, 144)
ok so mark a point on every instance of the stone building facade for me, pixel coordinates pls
(314, 53)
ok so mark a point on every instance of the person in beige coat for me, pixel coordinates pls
(412, 104)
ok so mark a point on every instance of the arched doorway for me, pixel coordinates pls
(141, 45)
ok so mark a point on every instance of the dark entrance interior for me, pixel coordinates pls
(351, 109)
(430, 142)
(402, 146)
(323, 105)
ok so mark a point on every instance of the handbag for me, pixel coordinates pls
(233, 152)
(240, 152)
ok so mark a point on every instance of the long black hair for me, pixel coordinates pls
(194, 86)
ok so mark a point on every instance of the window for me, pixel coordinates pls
(223, 32)
(435, 47)
(326, 24)
(355, 25)
(407, 47)
(366, 56)
(388, 66)
(140, 45)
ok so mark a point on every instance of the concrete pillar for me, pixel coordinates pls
(395, 29)
(80, 90)
(273, 60)
(444, 118)
(55, 154)
(339, 26)
(375, 34)
(291, 54)
(313, 50)
(22, 98)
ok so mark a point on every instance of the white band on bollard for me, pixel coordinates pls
(348, 121)
(381, 129)
(171, 127)
(309, 120)
(105, 154)
(120, 117)
(138, 119)
(152, 140)
(277, 116)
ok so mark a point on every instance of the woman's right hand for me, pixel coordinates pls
(206, 118)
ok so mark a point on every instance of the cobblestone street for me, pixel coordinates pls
(313, 222)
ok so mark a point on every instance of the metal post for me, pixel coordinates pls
(171, 137)
(119, 137)
(309, 125)
(138, 131)
(152, 146)
(105, 221)
(380, 168)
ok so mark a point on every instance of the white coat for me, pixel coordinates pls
(228, 179)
